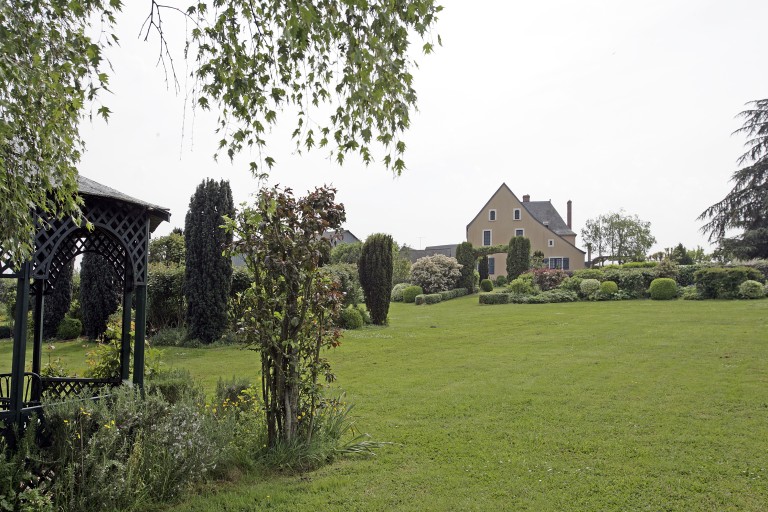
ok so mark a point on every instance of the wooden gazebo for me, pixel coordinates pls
(121, 231)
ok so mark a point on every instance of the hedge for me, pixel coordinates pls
(494, 298)
(428, 298)
(723, 282)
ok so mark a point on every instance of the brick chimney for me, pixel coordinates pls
(570, 216)
(526, 198)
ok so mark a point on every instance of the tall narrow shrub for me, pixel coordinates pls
(57, 302)
(208, 271)
(100, 292)
(465, 255)
(482, 268)
(518, 256)
(375, 270)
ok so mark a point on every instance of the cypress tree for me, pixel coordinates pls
(465, 255)
(375, 269)
(482, 268)
(99, 293)
(518, 256)
(208, 272)
(57, 302)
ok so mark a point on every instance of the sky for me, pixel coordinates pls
(613, 105)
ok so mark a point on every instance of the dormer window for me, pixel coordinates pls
(492, 215)
(517, 215)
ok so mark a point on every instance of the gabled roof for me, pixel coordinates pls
(89, 187)
(503, 185)
(544, 212)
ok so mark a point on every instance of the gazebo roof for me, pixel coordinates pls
(88, 187)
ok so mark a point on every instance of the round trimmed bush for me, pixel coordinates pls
(350, 318)
(608, 287)
(5, 332)
(410, 293)
(589, 287)
(521, 286)
(397, 292)
(501, 280)
(69, 328)
(751, 290)
(663, 288)
(486, 285)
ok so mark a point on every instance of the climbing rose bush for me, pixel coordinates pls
(435, 273)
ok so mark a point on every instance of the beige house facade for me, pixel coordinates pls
(505, 216)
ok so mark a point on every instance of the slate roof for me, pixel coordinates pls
(88, 187)
(544, 212)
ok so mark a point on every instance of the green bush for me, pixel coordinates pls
(724, 282)
(494, 298)
(521, 286)
(375, 269)
(452, 294)
(5, 332)
(571, 284)
(685, 274)
(172, 337)
(346, 276)
(589, 288)
(410, 293)
(165, 296)
(589, 273)
(486, 285)
(350, 318)
(663, 288)
(690, 292)
(751, 290)
(548, 279)
(69, 329)
(608, 287)
(397, 292)
(175, 385)
(546, 297)
(501, 281)
(429, 298)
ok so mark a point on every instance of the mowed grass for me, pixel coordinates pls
(638, 405)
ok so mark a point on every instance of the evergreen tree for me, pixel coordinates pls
(482, 268)
(99, 293)
(375, 270)
(208, 271)
(57, 303)
(465, 255)
(518, 256)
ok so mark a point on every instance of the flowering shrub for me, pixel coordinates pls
(435, 273)
(589, 288)
(751, 290)
(548, 279)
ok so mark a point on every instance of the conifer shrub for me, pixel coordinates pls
(350, 318)
(486, 285)
(751, 290)
(518, 256)
(375, 270)
(482, 268)
(465, 255)
(501, 281)
(5, 332)
(663, 288)
(410, 293)
(69, 329)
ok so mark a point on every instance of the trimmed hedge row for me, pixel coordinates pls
(434, 298)
(547, 297)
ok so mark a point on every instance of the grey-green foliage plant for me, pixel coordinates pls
(518, 256)
(100, 292)
(751, 290)
(375, 269)
(208, 271)
(249, 61)
(465, 255)
(589, 288)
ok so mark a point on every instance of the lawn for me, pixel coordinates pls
(637, 405)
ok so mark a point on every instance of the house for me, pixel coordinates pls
(346, 237)
(415, 254)
(505, 216)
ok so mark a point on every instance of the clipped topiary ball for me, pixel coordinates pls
(69, 329)
(589, 287)
(350, 318)
(608, 287)
(397, 292)
(486, 285)
(501, 280)
(751, 290)
(410, 293)
(663, 288)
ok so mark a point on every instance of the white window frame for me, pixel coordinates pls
(491, 266)
(492, 215)
(522, 231)
(517, 214)
(551, 242)
(490, 237)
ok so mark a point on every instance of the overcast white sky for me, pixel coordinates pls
(610, 104)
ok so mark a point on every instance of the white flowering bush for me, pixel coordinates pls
(436, 273)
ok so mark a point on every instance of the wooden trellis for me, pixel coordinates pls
(121, 232)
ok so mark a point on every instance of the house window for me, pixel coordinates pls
(492, 215)
(566, 263)
(519, 232)
(517, 215)
(550, 243)
(486, 237)
(491, 266)
(556, 263)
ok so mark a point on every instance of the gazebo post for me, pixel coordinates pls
(125, 342)
(37, 340)
(141, 329)
(20, 343)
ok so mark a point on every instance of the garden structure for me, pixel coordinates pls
(120, 232)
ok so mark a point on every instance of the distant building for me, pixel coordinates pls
(505, 216)
(346, 237)
(415, 254)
